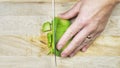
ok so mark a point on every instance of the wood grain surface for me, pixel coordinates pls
(37, 0)
(23, 45)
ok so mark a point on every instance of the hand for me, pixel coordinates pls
(91, 17)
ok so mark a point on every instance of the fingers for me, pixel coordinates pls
(77, 40)
(86, 42)
(73, 12)
(85, 45)
(71, 31)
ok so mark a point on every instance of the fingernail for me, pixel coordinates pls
(63, 55)
(59, 47)
(84, 49)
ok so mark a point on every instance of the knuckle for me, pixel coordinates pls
(100, 30)
(83, 23)
(76, 42)
(70, 33)
(66, 36)
(93, 29)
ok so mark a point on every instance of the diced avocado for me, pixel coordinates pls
(56, 30)
(46, 27)
(49, 37)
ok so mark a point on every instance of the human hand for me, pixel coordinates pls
(91, 17)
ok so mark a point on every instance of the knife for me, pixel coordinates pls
(54, 30)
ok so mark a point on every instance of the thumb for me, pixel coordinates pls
(73, 12)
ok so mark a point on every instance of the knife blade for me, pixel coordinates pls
(54, 30)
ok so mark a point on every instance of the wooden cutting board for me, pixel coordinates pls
(37, 0)
(21, 38)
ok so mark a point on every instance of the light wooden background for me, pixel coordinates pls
(20, 25)
(37, 0)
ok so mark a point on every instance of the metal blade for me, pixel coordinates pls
(54, 31)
